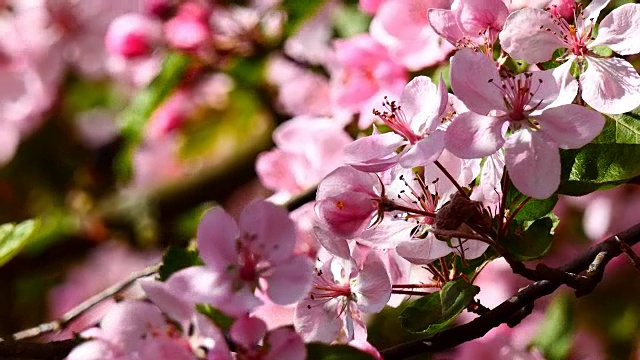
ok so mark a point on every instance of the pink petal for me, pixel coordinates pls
(445, 24)
(619, 30)
(273, 234)
(591, 13)
(374, 153)
(423, 251)
(544, 87)
(248, 331)
(290, 281)
(9, 140)
(525, 35)
(95, 350)
(128, 321)
(424, 151)
(570, 126)
(477, 16)
(284, 344)
(336, 245)
(472, 249)
(317, 320)
(372, 286)
(421, 101)
(217, 234)
(474, 136)
(387, 234)
(567, 84)
(610, 85)
(533, 164)
(475, 81)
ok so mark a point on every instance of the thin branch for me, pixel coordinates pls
(635, 260)
(86, 305)
(593, 260)
(56, 350)
(451, 178)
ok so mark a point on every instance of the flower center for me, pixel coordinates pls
(395, 118)
(517, 93)
(574, 37)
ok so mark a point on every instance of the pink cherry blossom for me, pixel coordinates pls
(254, 342)
(308, 148)
(346, 201)
(415, 121)
(341, 293)
(364, 71)
(133, 35)
(610, 85)
(477, 22)
(402, 26)
(133, 330)
(189, 29)
(257, 248)
(535, 131)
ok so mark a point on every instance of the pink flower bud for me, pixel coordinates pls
(564, 8)
(132, 35)
(189, 29)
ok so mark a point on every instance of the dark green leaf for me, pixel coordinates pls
(533, 208)
(532, 239)
(432, 313)
(177, 258)
(13, 237)
(611, 159)
(555, 336)
(320, 351)
(142, 106)
(221, 320)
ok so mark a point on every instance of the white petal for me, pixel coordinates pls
(619, 30)
(610, 85)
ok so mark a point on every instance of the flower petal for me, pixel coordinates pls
(271, 232)
(424, 151)
(445, 24)
(317, 320)
(473, 136)
(472, 75)
(619, 30)
(610, 85)
(217, 234)
(570, 126)
(291, 280)
(374, 153)
(533, 164)
(525, 35)
(372, 286)
(423, 251)
(567, 84)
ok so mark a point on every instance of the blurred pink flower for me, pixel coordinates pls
(107, 264)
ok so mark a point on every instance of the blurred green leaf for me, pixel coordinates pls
(13, 237)
(555, 337)
(176, 258)
(320, 351)
(434, 312)
(135, 116)
(221, 320)
(348, 20)
(299, 11)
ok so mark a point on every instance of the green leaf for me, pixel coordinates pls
(610, 159)
(348, 20)
(299, 11)
(432, 313)
(135, 116)
(555, 337)
(602, 50)
(531, 239)
(177, 258)
(13, 237)
(220, 319)
(533, 209)
(320, 351)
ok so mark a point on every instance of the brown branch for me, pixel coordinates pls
(56, 350)
(86, 305)
(593, 260)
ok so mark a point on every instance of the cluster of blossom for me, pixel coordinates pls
(383, 198)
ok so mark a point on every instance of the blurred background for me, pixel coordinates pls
(122, 121)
